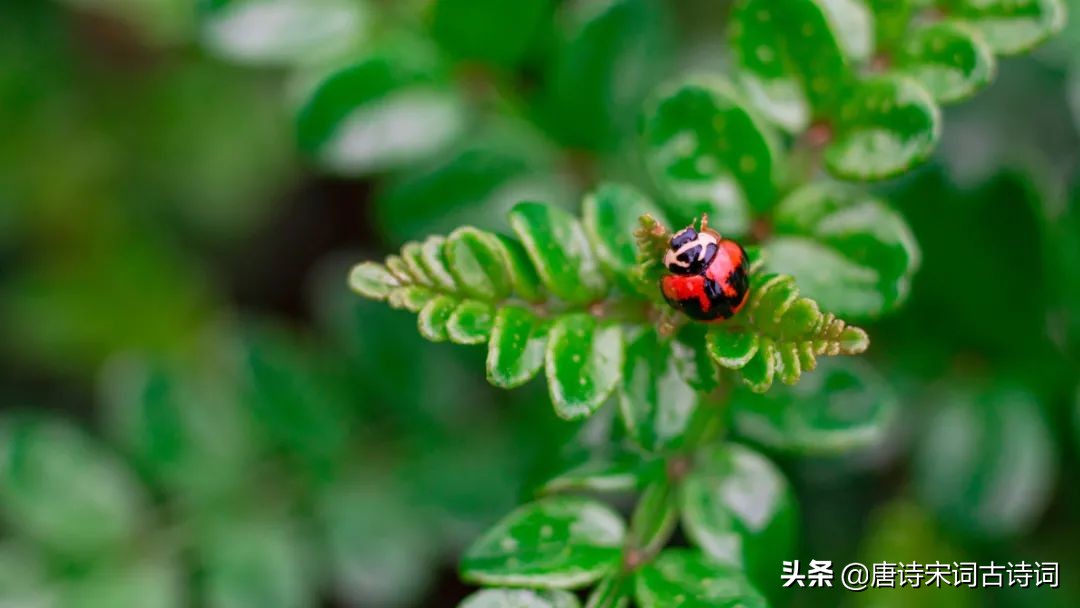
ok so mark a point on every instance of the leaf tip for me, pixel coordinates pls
(854, 340)
(372, 280)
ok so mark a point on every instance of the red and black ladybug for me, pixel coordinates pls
(709, 276)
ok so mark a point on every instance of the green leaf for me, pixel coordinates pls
(781, 334)
(760, 370)
(794, 58)
(654, 517)
(845, 405)
(853, 24)
(888, 125)
(470, 323)
(1012, 26)
(492, 31)
(560, 251)
(616, 473)
(385, 110)
(62, 489)
(732, 350)
(606, 57)
(558, 542)
(612, 592)
(846, 249)
(583, 361)
(433, 262)
(372, 280)
(184, 431)
(403, 272)
(852, 286)
(738, 508)
(520, 598)
(283, 32)
(288, 389)
(610, 217)
(476, 260)
(411, 297)
(516, 348)
(691, 355)
(256, 560)
(434, 316)
(380, 547)
(949, 59)
(710, 154)
(891, 21)
(523, 274)
(986, 462)
(412, 253)
(700, 583)
(151, 582)
(656, 402)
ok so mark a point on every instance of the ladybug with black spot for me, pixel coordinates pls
(709, 276)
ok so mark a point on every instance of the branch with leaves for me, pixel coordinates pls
(853, 92)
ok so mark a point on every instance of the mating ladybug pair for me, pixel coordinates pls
(709, 276)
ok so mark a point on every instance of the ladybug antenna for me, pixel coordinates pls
(704, 222)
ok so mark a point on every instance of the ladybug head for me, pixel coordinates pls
(690, 251)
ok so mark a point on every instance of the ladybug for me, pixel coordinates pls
(709, 278)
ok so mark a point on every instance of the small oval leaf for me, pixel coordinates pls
(739, 509)
(619, 472)
(372, 280)
(610, 217)
(61, 488)
(692, 358)
(520, 598)
(699, 582)
(470, 323)
(560, 252)
(655, 401)
(476, 261)
(583, 362)
(852, 287)
(433, 317)
(948, 58)
(980, 447)
(844, 405)
(560, 542)
(382, 111)
(433, 262)
(283, 32)
(1013, 26)
(731, 349)
(592, 95)
(794, 57)
(257, 560)
(523, 275)
(870, 254)
(889, 125)
(516, 348)
(709, 154)
(758, 373)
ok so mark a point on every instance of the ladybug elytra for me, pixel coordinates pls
(708, 276)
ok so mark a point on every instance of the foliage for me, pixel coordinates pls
(857, 91)
(245, 461)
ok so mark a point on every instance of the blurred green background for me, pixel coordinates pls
(195, 411)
